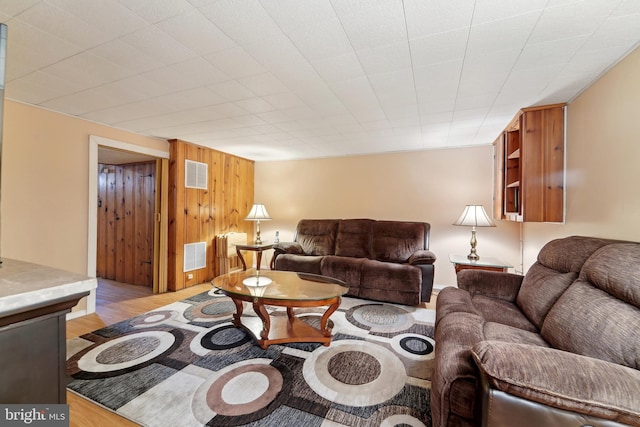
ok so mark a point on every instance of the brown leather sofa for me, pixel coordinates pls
(379, 260)
(559, 346)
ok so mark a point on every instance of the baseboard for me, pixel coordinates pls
(75, 314)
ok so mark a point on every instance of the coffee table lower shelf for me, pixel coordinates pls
(284, 328)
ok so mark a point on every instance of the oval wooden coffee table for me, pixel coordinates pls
(283, 289)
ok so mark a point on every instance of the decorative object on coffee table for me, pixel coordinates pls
(258, 213)
(474, 216)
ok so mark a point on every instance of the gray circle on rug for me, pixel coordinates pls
(320, 376)
(354, 367)
(212, 309)
(134, 349)
(383, 318)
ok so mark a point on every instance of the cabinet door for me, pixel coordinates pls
(542, 165)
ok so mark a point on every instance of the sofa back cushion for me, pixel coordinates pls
(396, 241)
(558, 265)
(355, 238)
(317, 236)
(599, 314)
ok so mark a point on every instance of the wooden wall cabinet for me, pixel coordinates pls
(529, 172)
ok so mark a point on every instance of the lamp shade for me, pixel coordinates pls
(474, 216)
(258, 213)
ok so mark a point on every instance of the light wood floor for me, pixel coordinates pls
(115, 302)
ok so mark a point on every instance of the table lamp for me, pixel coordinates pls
(258, 213)
(474, 216)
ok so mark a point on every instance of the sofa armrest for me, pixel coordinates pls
(422, 257)
(288, 248)
(561, 380)
(495, 284)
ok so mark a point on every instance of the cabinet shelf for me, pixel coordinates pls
(514, 155)
(514, 184)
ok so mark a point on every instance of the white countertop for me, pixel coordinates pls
(24, 284)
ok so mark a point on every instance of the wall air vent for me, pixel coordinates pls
(195, 174)
(195, 256)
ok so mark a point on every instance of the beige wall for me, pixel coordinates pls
(45, 178)
(431, 186)
(603, 162)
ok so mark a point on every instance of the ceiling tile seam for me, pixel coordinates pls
(575, 52)
(256, 59)
(80, 51)
(386, 116)
(315, 69)
(499, 91)
(413, 75)
(464, 57)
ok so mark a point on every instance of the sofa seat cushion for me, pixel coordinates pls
(300, 263)
(498, 332)
(562, 380)
(500, 311)
(399, 283)
(347, 269)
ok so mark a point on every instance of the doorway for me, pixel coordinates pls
(124, 163)
(126, 219)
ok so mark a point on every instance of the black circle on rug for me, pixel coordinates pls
(224, 338)
(416, 345)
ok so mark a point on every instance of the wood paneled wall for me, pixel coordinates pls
(126, 212)
(199, 215)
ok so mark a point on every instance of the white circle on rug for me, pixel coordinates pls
(402, 420)
(146, 345)
(241, 388)
(390, 378)
(414, 346)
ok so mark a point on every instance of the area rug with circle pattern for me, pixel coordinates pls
(185, 364)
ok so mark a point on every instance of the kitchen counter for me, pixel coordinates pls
(34, 301)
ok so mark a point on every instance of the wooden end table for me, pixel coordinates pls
(461, 262)
(282, 289)
(255, 247)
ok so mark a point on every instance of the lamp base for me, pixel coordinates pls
(473, 256)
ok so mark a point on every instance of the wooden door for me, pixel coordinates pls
(126, 215)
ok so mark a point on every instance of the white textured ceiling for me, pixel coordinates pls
(289, 79)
